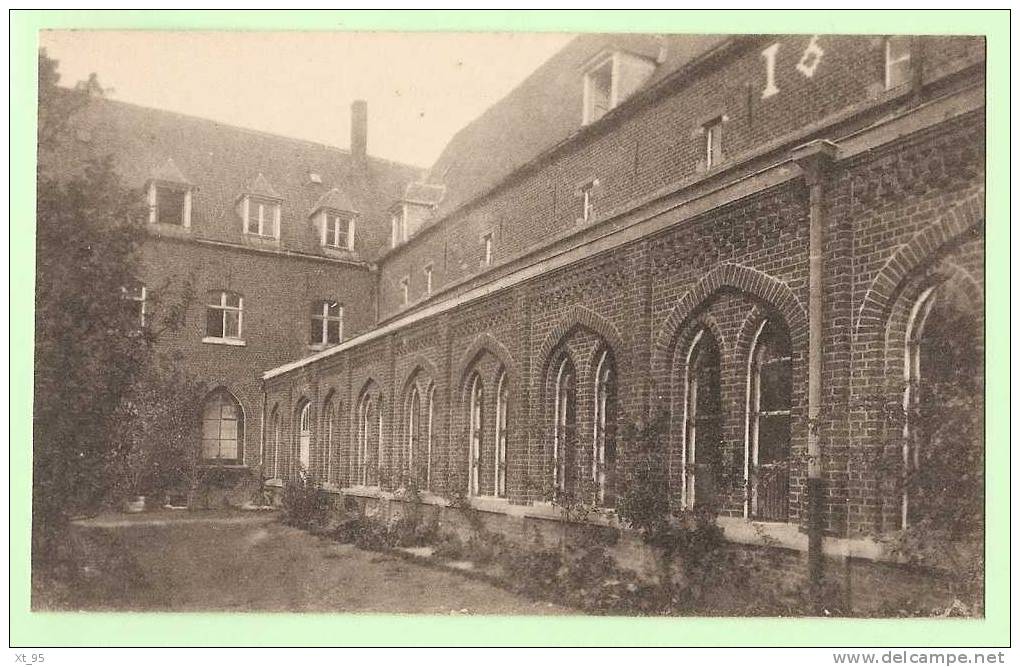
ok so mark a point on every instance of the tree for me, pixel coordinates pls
(99, 386)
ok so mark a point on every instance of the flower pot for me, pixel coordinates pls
(134, 504)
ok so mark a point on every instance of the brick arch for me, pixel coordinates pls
(915, 252)
(768, 289)
(484, 342)
(579, 316)
(419, 364)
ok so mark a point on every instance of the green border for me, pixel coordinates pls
(101, 629)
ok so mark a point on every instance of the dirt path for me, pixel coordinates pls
(244, 562)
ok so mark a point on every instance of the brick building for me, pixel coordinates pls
(763, 239)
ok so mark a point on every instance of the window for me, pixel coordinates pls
(502, 401)
(338, 231)
(475, 412)
(405, 290)
(897, 61)
(413, 423)
(170, 205)
(222, 428)
(369, 441)
(305, 436)
(271, 464)
(134, 303)
(429, 423)
(261, 217)
(428, 279)
(604, 450)
(712, 132)
(223, 316)
(587, 192)
(564, 424)
(328, 437)
(398, 228)
(702, 420)
(598, 92)
(487, 249)
(769, 424)
(327, 322)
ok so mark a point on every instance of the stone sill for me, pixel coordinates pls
(212, 340)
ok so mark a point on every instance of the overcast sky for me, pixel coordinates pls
(420, 87)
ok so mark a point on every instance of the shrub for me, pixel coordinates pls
(305, 504)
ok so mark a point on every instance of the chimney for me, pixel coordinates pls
(359, 129)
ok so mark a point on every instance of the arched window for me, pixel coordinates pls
(943, 405)
(305, 436)
(329, 425)
(502, 401)
(412, 421)
(369, 441)
(604, 441)
(429, 426)
(475, 412)
(271, 464)
(702, 421)
(768, 453)
(564, 424)
(222, 428)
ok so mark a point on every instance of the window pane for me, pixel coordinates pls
(210, 448)
(228, 410)
(210, 428)
(233, 324)
(773, 438)
(228, 430)
(899, 47)
(214, 322)
(170, 206)
(334, 309)
(899, 73)
(315, 331)
(775, 386)
(333, 332)
(228, 448)
(233, 300)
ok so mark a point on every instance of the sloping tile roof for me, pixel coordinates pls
(220, 161)
(168, 172)
(336, 200)
(544, 110)
(261, 188)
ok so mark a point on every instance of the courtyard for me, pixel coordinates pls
(244, 561)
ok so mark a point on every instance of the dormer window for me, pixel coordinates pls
(609, 79)
(338, 230)
(897, 61)
(398, 227)
(598, 91)
(261, 217)
(169, 195)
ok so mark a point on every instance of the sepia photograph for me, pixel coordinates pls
(510, 323)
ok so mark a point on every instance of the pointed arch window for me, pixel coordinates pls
(429, 426)
(564, 424)
(502, 402)
(604, 441)
(768, 453)
(369, 441)
(222, 428)
(305, 436)
(413, 435)
(272, 465)
(329, 425)
(475, 435)
(702, 420)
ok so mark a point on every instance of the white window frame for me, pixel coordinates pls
(305, 436)
(323, 318)
(587, 114)
(891, 62)
(328, 431)
(475, 434)
(129, 295)
(405, 290)
(601, 424)
(560, 444)
(916, 323)
(413, 423)
(224, 309)
(398, 223)
(502, 414)
(329, 240)
(153, 197)
(428, 279)
(487, 249)
(587, 192)
(428, 435)
(713, 130)
(262, 216)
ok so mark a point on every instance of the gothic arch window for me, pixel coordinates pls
(271, 464)
(476, 411)
(413, 435)
(604, 440)
(942, 401)
(222, 429)
(702, 420)
(369, 440)
(768, 441)
(305, 436)
(502, 412)
(329, 429)
(564, 424)
(430, 415)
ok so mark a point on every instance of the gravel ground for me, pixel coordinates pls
(234, 561)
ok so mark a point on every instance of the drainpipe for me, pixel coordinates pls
(814, 159)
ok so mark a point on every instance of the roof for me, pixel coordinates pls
(221, 162)
(544, 110)
(167, 172)
(335, 200)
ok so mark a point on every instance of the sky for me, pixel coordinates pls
(420, 87)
